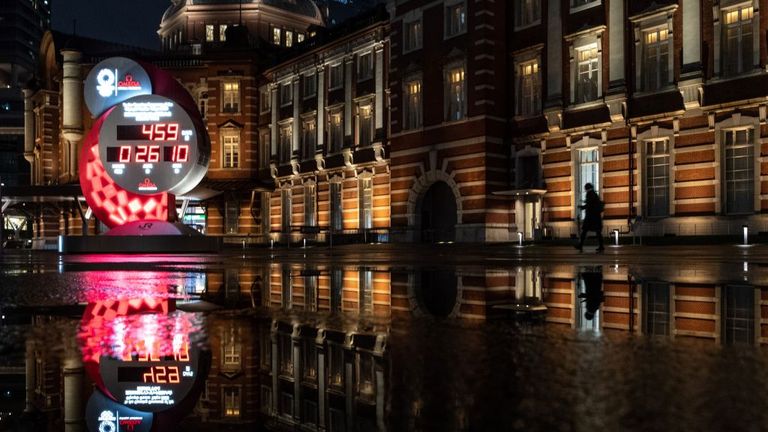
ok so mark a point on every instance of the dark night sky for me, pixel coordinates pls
(131, 22)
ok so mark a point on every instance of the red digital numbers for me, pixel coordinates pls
(125, 154)
(162, 375)
(161, 131)
(180, 153)
(144, 153)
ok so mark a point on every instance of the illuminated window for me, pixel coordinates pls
(300, 37)
(587, 69)
(288, 38)
(223, 32)
(456, 99)
(231, 96)
(264, 209)
(202, 103)
(412, 39)
(529, 88)
(276, 35)
(310, 358)
(365, 66)
(455, 19)
(527, 12)
(657, 178)
(308, 138)
(656, 59)
(737, 52)
(366, 203)
(285, 145)
(286, 94)
(337, 214)
(335, 130)
(364, 122)
(337, 77)
(232, 401)
(310, 205)
(310, 85)
(230, 139)
(739, 170)
(587, 171)
(209, 35)
(412, 104)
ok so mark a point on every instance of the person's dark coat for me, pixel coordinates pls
(593, 209)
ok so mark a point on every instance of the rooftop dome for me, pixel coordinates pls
(306, 8)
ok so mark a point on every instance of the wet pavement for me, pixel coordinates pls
(387, 337)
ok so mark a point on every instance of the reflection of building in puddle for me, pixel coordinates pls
(312, 370)
(689, 308)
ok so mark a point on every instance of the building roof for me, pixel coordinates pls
(306, 8)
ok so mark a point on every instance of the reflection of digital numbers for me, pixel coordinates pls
(146, 355)
(162, 375)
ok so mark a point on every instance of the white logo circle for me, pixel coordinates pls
(106, 80)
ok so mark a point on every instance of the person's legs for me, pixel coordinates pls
(581, 239)
(600, 246)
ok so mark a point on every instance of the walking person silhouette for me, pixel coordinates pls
(593, 218)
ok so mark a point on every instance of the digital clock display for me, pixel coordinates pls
(149, 145)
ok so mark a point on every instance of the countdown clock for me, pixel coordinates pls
(149, 144)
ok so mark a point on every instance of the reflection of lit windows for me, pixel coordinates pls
(231, 97)
(337, 286)
(231, 350)
(276, 35)
(265, 348)
(231, 397)
(209, 33)
(266, 399)
(656, 303)
(335, 365)
(300, 37)
(310, 359)
(230, 139)
(739, 314)
(285, 349)
(288, 38)
(223, 32)
(365, 374)
(366, 291)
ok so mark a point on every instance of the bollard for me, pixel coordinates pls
(745, 231)
(616, 237)
(271, 243)
(520, 239)
(305, 243)
(243, 244)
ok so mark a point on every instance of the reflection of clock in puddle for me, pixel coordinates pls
(152, 362)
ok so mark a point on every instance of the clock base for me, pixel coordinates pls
(142, 237)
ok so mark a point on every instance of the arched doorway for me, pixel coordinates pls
(438, 214)
(437, 291)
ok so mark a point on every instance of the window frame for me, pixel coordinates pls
(265, 103)
(285, 141)
(365, 203)
(310, 196)
(311, 92)
(577, 43)
(447, 89)
(308, 152)
(574, 8)
(408, 44)
(364, 74)
(755, 169)
(210, 33)
(231, 226)
(520, 63)
(407, 109)
(228, 162)
(223, 32)
(448, 31)
(646, 175)
(232, 94)
(340, 68)
(366, 104)
(286, 211)
(334, 147)
(536, 20)
(286, 100)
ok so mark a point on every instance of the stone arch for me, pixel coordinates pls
(48, 65)
(420, 188)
